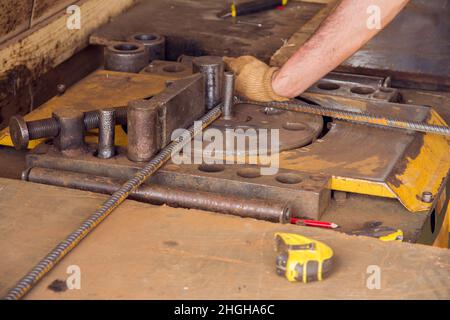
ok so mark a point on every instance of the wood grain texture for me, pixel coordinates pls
(33, 53)
(157, 252)
(44, 9)
(14, 17)
(49, 45)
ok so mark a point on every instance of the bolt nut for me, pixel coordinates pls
(427, 197)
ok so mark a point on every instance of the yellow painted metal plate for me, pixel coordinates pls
(375, 161)
(423, 171)
(98, 90)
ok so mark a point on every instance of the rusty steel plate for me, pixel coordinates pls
(356, 86)
(295, 129)
(354, 150)
(168, 69)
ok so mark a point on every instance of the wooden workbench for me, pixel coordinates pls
(143, 251)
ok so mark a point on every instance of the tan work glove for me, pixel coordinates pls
(253, 78)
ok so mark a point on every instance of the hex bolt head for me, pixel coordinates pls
(18, 130)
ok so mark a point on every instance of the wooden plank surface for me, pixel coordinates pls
(44, 9)
(14, 17)
(19, 16)
(27, 57)
(143, 251)
(53, 43)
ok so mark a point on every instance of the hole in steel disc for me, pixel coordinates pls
(145, 37)
(211, 168)
(289, 178)
(126, 47)
(173, 68)
(329, 86)
(249, 173)
(295, 126)
(362, 90)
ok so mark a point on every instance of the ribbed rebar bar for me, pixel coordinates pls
(359, 117)
(64, 247)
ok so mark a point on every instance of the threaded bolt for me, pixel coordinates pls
(22, 131)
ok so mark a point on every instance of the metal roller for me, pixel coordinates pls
(126, 57)
(212, 68)
(175, 197)
(155, 45)
(141, 131)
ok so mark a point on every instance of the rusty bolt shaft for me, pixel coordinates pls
(22, 132)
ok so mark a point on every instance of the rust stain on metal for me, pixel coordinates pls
(411, 153)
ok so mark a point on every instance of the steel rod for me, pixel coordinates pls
(175, 197)
(228, 95)
(106, 133)
(358, 117)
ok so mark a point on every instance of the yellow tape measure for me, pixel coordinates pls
(301, 258)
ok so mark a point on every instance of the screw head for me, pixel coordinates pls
(61, 88)
(18, 130)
